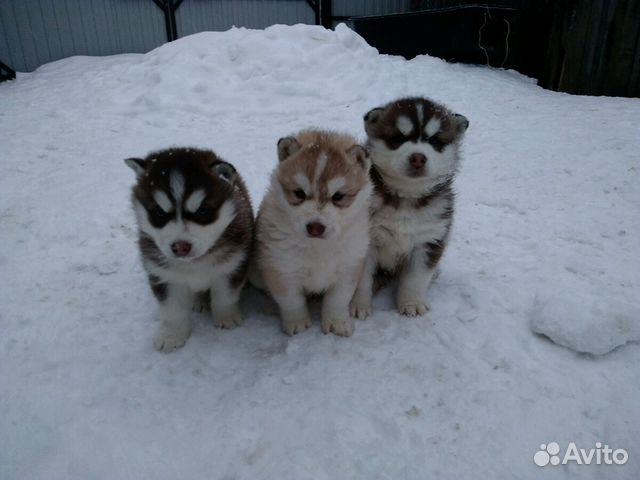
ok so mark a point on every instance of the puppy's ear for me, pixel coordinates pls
(461, 122)
(287, 146)
(360, 155)
(138, 165)
(372, 118)
(225, 171)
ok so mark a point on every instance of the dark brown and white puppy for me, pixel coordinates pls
(414, 145)
(195, 234)
(313, 228)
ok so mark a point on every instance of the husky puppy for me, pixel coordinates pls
(313, 228)
(195, 234)
(414, 145)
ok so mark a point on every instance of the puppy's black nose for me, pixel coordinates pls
(315, 229)
(181, 249)
(417, 160)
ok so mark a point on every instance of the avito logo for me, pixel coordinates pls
(600, 455)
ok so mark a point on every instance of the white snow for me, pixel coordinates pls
(547, 217)
(586, 324)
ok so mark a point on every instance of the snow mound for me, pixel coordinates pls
(586, 324)
(251, 67)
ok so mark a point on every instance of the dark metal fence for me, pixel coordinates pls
(594, 48)
(34, 32)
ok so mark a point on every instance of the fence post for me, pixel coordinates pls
(169, 8)
(6, 73)
(326, 13)
(316, 10)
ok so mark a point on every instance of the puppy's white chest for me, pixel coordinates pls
(200, 274)
(318, 275)
(396, 232)
(323, 266)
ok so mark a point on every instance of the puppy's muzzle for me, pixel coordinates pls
(181, 249)
(315, 229)
(417, 162)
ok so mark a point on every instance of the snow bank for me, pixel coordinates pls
(587, 324)
(546, 197)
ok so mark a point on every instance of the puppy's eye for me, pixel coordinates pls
(436, 143)
(204, 214)
(395, 141)
(158, 217)
(159, 213)
(299, 193)
(337, 197)
(203, 211)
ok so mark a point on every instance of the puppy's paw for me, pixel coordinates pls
(341, 326)
(412, 308)
(201, 307)
(291, 326)
(229, 318)
(360, 308)
(202, 302)
(168, 339)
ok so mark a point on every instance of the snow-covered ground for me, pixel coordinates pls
(545, 239)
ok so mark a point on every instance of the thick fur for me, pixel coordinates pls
(190, 196)
(322, 178)
(414, 145)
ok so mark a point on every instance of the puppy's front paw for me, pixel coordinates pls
(168, 339)
(341, 326)
(291, 326)
(202, 303)
(230, 318)
(412, 308)
(360, 308)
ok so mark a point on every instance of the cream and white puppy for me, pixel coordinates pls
(313, 228)
(415, 151)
